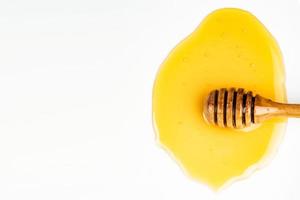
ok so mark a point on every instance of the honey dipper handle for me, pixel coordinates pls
(266, 108)
(290, 110)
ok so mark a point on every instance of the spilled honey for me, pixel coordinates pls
(230, 48)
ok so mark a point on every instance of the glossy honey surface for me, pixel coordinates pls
(230, 48)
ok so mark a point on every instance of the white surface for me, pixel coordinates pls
(75, 107)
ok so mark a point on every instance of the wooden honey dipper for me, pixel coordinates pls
(239, 109)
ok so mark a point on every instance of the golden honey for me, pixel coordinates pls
(230, 48)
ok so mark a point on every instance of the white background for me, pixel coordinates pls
(76, 83)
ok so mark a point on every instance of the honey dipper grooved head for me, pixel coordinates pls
(230, 108)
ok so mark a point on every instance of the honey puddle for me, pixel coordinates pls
(230, 48)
